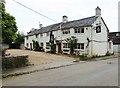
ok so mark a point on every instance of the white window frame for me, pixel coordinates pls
(66, 45)
(79, 46)
(79, 30)
(66, 31)
(41, 35)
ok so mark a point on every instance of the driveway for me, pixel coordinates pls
(38, 58)
(94, 73)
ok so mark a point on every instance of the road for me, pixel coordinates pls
(94, 73)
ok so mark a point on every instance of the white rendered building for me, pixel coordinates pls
(91, 32)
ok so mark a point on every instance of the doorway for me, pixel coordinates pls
(59, 47)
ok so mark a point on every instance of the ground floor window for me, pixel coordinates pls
(47, 45)
(109, 45)
(27, 45)
(66, 45)
(79, 46)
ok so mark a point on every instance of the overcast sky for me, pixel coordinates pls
(55, 9)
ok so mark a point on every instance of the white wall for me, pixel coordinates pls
(99, 46)
(95, 48)
(116, 48)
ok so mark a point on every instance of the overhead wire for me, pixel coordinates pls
(34, 11)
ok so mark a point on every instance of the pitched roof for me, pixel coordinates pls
(70, 24)
(114, 37)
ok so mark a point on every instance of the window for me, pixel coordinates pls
(98, 29)
(47, 34)
(79, 46)
(27, 45)
(66, 45)
(27, 37)
(47, 45)
(41, 35)
(79, 30)
(41, 44)
(66, 31)
(110, 45)
(36, 35)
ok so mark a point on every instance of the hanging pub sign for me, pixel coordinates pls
(98, 29)
(51, 37)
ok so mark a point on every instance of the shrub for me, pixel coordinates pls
(14, 62)
(36, 46)
(107, 53)
(53, 48)
(94, 56)
(82, 57)
(3, 52)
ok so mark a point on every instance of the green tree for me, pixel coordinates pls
(19, 38)
(9, 27)
(71, 41)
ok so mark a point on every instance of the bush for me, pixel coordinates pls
(14, 62)
(107, 53)
(53, 48)
(3, 52)
(82, 57)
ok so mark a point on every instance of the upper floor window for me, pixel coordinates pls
(79, 30)
(41, 35)
(79, 46)
(98, 29)
(66, 31)
(47, 33)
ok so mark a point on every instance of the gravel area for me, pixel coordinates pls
(38, 58)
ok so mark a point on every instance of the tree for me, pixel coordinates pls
(72, 42)
(9, 27)
(19, 38)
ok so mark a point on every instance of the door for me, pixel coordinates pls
(59, 47)
(30, 46)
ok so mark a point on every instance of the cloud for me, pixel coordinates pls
(55, 9)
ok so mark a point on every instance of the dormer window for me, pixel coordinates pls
(78, 30)
(98, 29)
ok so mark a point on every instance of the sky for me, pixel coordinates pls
(55, 9)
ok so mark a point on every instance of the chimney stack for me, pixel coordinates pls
(40, 25)
(65, 19)
(98, 11)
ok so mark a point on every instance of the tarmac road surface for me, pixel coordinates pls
(94, 73)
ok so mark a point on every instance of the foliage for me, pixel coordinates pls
(72, 41)
(83, 57)
(36, 46)
(107, 53)
(53, 48)
(19, 38)
(14, 62)
(3, 52)
(9, 28)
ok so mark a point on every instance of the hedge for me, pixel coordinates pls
(14, 61)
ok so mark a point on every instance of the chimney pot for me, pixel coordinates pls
(65, 19)
(40, 26)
